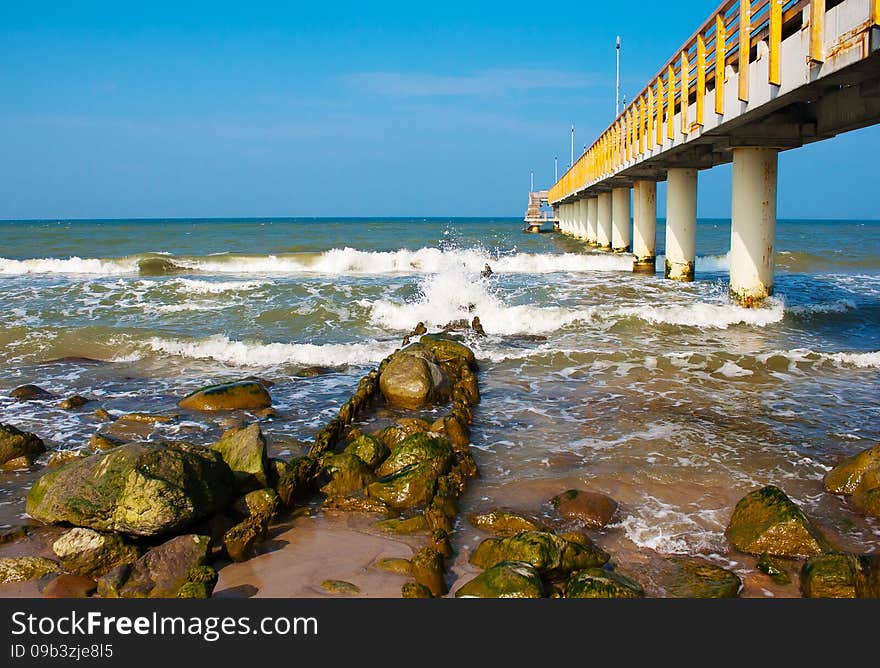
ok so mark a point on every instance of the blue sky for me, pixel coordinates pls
(340, 109)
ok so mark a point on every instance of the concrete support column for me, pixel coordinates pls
(603, 233)
(557, 214)
(592, 220)
(568, 217)
(620, 220)
(582, 219)
(681, 224)
(563, 218)
(645, 226)
(753, 224)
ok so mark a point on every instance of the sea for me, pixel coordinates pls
(665, 395)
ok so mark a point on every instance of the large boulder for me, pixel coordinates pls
(866, 498)
(446, 349)
(841, 576)
(547, 552)
(19, 447)
(593, 509)
(244, 450)
(847, 475)
(142, 489)
(243, 395)
(31, 393)
(347, 472)
(240, 540)
(92, 553)
(420, 448)
(20, 569)
(369, 449)
(601, 583)
(426, 567)
(503, 522)
(767, 521)
(175, 569)
(508, 579)
(413, 379)
(413, 485)
(693, 577)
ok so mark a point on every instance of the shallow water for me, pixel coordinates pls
(666, 396)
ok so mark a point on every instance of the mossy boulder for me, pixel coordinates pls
(413, 485)
(767, 521)
(347, 472)
(446, 349)
(774, 568)
(455, 431)
(92, 553)
(601, 583)
(415, 524)
(503, 522)
(258, 502)
(369, 449)
(426, 567)
(341, 587)
(508, 579)
(412, 379)
(21, 569)
(693, 577)
(19, 446)
(415, 590)
(243, 395)
(297, 480)
(420, 448)
(393, 565)
(847, 475)
(174, 569)
(240, 540)
(867, 500)
(829, 576)
(593, 509)
(244, 450)
(142, 489)
(74, 402)
(100, 441)
(547, 552)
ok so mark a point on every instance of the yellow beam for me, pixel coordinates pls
(660, 113)
(876, 12)
(651, 116)
(817, 24)
(642, 126)
(685, 91)
(775, 40)
(720, 56)
(670, 102)
(745, 45)
(701, 77)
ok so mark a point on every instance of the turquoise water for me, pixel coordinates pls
(665, 395)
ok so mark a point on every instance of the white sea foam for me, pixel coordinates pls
(71, 265)
(203, 287)
(708, 316)
(733, 370)
(860, 360)
(244, 353)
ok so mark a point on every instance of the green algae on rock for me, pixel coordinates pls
(426, 567)
(139, 489)
(369, 448)
(508, 579)
(502, 522)
(602, 583)
(445, 348)
(16, 444)
(347, 472)
(847, 475)
(415, 590)
(242, 395)
(244, 451)
(774, 568)
(545, 551)
(767, 521)
(413, 485)
(92, 553)
(829, 576)
(21, 569)
(341, 587)
(393, 565)
(419, 448)
(693, 577)
(240, 540)
(412, 379)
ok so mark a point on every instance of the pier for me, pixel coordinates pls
(756, 78)
(535, 218)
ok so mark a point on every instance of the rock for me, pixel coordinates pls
(502, 522)
(415, 590)
(868, 575)
(426, 567)
(412, 426)
(21, 569)
(420, 448)
(413, 485)
(102, 414)
(312, 371)
(31, 393)
(766, 520)
(276, 469)
(413, 524)
(774, 568)
(354, 503)
(867, 501)
(244, 395)
(593, 509)
(341, 587)
(413, 379)
(400, 566)
(143, 418)
(174, 569)
(440, 542)
(847, 475)
(369, 449)
(62, 457)
(70, 586)
(100, 441)
(91, 553)
(259, 502)
(600, 583)
(829, 576)
(74, 402)
(508, 579)
(547, 552)
(240, 540)
(692, 577)
(16, 444)
(452, 429)
(348, 473)
(244, 450)
(445, 348)
(297, 480)
(143, 489)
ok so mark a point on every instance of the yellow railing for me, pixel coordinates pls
(727, 38)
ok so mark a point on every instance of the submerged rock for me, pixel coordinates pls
(21, 569)
(601, 583)
(91, 553)
(767, 521)
(243, 395)
(369, 449)
(420, 448)
(74, 402)
(502, 522)
(508, 579)
(175, 569)
(31, 393)
(547, 552)
(18, 446)
(100, 441)
(244, 451)
(593, 509)
(412, 379)
(692, 577)
(140, 489)
(348, 473)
